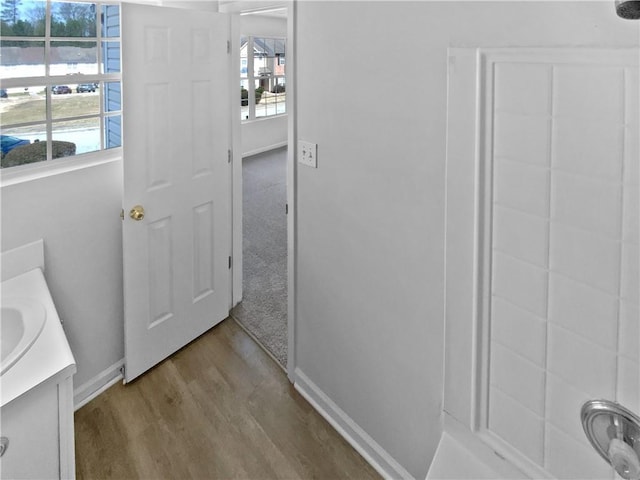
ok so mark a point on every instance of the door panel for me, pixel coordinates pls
(176, 88)
(203, 262)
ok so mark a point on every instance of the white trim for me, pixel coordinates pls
(249, 6)
(268, 148)
(70, 79)
(366, 446)
(265, 118)
(36, 171)
(292, 192)
(268, 11)
(98, 384)
(459, 352)
(236, 170)
(231, 64)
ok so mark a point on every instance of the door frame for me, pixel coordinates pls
(292, 190)
(236, 187)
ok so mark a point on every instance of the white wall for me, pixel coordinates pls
(78, 216)
(369, 324)
(265, 133)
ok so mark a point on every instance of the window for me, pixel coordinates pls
(262, 77)
(61, 81)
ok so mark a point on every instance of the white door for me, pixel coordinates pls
(176, 140)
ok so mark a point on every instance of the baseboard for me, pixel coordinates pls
(265, 149)
(366, 446)
(98, 384)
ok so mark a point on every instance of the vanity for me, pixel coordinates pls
(36, 386)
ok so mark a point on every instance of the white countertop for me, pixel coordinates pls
(49, 359)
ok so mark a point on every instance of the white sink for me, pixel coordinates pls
(21, 321)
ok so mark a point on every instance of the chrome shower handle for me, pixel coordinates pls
(614, 432)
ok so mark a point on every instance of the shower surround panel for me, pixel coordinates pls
(562, 246)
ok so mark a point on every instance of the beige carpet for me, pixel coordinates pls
(263, 310)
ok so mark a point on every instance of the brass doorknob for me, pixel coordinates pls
(137, 213)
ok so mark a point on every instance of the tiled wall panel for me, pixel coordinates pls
(564, 246)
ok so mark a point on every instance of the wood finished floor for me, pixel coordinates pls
(218, 409)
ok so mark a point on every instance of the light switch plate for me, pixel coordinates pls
(308, 153)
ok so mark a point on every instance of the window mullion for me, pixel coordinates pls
(47, 73)
(251, 98)
(101, 70)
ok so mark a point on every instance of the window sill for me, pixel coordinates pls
(36, 171)
(263, 119)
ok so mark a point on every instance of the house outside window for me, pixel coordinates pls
(61, 80)
(262, 77)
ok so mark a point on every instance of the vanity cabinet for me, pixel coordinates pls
(36, 390)
(39, 428)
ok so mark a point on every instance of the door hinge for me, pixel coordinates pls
(230, 262)
(286, 209)
(124, 376)
(122, 214)
(229, 156)
(228, 46)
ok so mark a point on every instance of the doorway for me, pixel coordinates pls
(263, 180)
(263, 309)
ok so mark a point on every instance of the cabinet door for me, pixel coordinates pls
(31, 425)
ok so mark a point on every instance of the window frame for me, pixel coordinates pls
(10, 175)
(251, 77)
